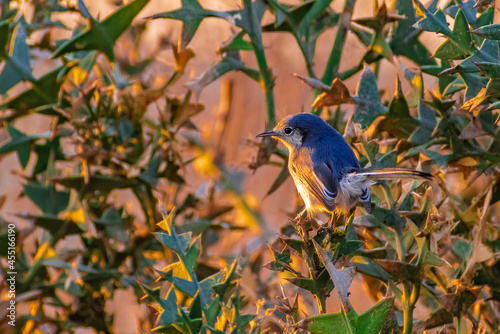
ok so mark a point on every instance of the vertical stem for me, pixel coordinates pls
(332, 66)
(309, 63)
(254, 31)
(266, 83)
(410, 291)
(407, 309)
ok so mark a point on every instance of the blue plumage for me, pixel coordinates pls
(324, 167)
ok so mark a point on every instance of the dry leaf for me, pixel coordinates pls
(182, 58)
(473, 105)
(332, 95)
(473, 130)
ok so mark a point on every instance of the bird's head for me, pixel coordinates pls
(293, 130)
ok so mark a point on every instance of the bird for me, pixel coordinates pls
(324, 168)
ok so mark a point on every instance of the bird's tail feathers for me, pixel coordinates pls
(393, 174)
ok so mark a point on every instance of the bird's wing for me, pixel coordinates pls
(319, 181)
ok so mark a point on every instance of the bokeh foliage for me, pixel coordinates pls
(423, 244)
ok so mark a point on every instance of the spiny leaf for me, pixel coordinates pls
(17, 63)
(305, 22)
(57, 227)
(4, 37)
(342, 279)
(488, 52)
(47, 198)
(405, 39)
(235, 43)
(368, 106)
(96, 182)
(368, 322)
(102, 36)
(491, 31)
(21, 144)
(405, 271)
(381, 18)
(44, 91)
(230, 62)
(335, 94)
(428, 123)
(432, 22)
(192, 14)
(468, 10)
(459, 46)
(398, 120)
(489, 69)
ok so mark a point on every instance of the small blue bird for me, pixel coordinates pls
(325, 169)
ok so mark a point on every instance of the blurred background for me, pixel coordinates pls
(233, 112)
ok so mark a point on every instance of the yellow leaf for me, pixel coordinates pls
(182, 58)
(178, 270)
(78, 75)
(44, 251)
(78, 216)
(28, 327)
(204, 166)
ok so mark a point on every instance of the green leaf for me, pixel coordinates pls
(97, 182)
(468, 10)
(435, 70)
(374, 319)
(191, 257)
(179, 243)
(169, 313)
(459, 46)
(303, 283)
(58, 227)
(191, 14)
(405, 39)
(491, 70)
(47, 198)
(347, 247)
(17, 63)
(4, 37)
(491, 31)
(398, 121)
(402, 270)
(189, 288)
(50, 150)
(102, 36)
(21, 144)
(381, 18)
(488, 52)
(230, 62)
(368, 322)
(236, 43)
(43, 91)
(305, 22)
(207, 286)
(428, 123)
(368, 106)
(433, 22)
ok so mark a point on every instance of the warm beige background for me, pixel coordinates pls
(247, 113)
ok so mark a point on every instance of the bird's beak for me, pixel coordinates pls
(267, 134)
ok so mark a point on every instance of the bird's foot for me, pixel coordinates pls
(302, 224)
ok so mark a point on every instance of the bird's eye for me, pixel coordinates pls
(287, 131)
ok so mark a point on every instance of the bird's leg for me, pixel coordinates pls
(300, 216)
(300, 222)
(333, 219)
